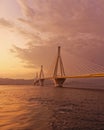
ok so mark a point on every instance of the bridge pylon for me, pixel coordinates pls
(36, 82)
(41, 76)
(59, 72)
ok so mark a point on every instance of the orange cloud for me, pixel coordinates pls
(6, 23)
(77, 25)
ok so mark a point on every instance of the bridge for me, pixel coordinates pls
(59, 76)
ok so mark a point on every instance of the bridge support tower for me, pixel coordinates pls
(59, 73)
(36, 81)
(41, 76)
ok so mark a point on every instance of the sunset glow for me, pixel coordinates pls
(31, 30)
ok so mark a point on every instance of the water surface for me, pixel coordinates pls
(50, 108)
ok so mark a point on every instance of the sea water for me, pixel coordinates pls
(50, 108)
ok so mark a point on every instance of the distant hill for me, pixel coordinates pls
(69, 82)
(7, 81)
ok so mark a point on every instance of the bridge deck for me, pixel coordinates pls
(78, 76)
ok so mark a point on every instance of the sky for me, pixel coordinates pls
(31, 31)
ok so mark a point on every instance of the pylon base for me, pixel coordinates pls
(36, 82)
(41, 82)
(59, 82)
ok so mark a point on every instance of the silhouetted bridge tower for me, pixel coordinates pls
(41, 76)
(58, 75)
(40, 79)
(59, 72)
(36, 81)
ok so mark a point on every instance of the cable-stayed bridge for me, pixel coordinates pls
(59, 76)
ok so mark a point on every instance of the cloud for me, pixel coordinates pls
(64, 15)
(77, 58)
(26, 9)
(25, 33)
(6, 23)
(76, 25)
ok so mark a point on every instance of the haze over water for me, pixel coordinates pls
(50, 108)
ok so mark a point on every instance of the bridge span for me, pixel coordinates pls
(59, 76)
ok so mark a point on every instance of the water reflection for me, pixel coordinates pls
(37, 108)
